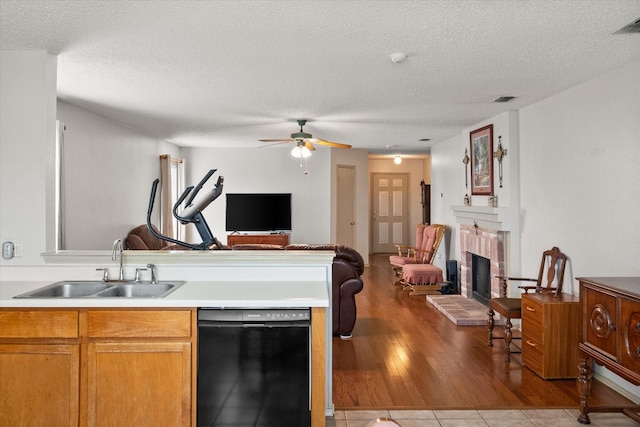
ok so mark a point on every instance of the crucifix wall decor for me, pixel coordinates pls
(499, 155)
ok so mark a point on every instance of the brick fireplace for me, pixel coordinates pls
(487, 243)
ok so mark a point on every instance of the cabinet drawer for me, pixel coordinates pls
(532, 316)
(532, 353)
(136, 323)
(38, 324)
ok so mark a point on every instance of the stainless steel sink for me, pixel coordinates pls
(139, 290)
(67, 289)
(99, 289)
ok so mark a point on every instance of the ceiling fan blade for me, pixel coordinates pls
(276, 140)
(309, 145)
(274, 143)
(332, 144)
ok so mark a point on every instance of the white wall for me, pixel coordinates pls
(27, 141)
(579, 175)
(108, 172)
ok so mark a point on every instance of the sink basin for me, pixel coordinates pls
(67, 289)
(140, 290)
(98, 289)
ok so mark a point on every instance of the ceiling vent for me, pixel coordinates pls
(504, 99)
(634, 27)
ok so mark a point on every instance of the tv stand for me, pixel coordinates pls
(266, 239)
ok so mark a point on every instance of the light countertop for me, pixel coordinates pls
(232, 294)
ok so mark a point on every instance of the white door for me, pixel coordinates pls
(390, 211)
(346, 208)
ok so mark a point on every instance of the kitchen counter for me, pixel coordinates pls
(246, 294)
(231, 279)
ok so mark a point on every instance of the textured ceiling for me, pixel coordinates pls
(227, 73)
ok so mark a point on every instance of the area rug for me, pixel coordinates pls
(460, 310)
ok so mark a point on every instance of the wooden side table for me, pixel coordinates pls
(610, 319)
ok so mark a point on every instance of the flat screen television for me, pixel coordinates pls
(267, 212)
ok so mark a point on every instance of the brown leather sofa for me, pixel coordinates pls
(346, 280)
(141, 239)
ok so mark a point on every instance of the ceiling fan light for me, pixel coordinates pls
(300, 152)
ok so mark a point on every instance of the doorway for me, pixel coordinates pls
(389, 211)
(345, 206)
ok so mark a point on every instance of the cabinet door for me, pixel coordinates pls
(630, 319)
(39, 384)
(139, 384)
(599, 325)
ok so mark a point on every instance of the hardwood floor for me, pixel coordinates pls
(404, 354)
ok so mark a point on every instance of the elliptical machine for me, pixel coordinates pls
(192, 213)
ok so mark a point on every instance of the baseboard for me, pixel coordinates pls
(617, 387)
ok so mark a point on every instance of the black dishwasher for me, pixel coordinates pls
(254, 367)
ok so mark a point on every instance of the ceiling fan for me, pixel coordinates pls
(304, 142)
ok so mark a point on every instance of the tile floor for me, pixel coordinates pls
(484, 418)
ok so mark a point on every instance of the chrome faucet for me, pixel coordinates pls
(117, 248)
(154, 278)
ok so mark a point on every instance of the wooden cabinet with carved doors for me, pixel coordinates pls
(610, 313)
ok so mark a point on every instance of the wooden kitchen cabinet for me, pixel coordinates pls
(610, 335)
(39, 384)
(140, 363)
(97, 367)
(39, 368)
(550, 334)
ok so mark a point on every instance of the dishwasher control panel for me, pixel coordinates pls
(255, 315)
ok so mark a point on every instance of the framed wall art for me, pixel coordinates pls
(482, 161)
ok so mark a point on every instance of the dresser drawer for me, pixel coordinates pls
(532, 316)
(39, 324)
(533, 353)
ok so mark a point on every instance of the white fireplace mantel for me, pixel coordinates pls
(500, 218)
